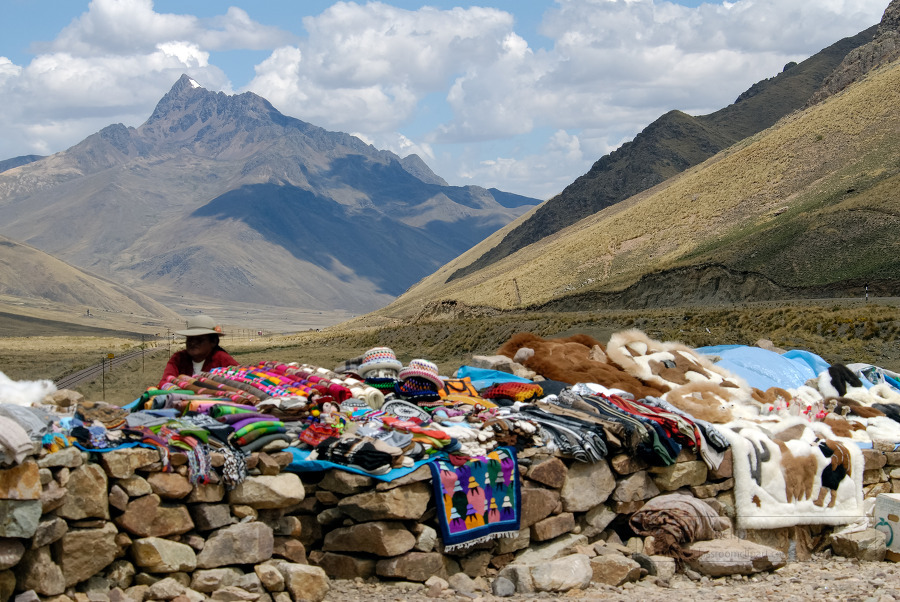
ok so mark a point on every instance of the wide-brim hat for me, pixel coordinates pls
(422, 369)
(379, 358)
(199, 325)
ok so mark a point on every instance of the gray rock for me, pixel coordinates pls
(81, 553)
(278, 491)
(244, 543)
(209, 580)
(557, 548)
(304, 582)
(11, 552)
(615, 570)
(158, 555)
(562, 574)
(503, 587)
(19, 518)
(402, 503)
(864, 545)
(586, 486)
(734, 557)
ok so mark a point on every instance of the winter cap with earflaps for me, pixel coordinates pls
(379, 358)
(422, 369)
(199, 325)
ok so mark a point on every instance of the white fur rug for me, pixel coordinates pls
(794, 472)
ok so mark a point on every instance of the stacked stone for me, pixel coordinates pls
(121, 528)
(116, 526)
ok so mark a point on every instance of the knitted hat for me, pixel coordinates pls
(200, 325)
(422, 369)
(379, 358)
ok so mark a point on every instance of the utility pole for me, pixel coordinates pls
(143, 351)
(103, 377)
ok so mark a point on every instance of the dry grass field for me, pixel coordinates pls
(840, 331)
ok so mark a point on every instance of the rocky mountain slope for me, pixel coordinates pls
(806, 208)
(670, 145)
(29, 274)
(223, 197)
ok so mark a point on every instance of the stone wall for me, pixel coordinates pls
(116, 526)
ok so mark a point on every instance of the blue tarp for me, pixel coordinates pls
(482, 378)
(764, 369)
(301, 463)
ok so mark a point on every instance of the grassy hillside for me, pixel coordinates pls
(840, 331)
(668, 146)
(808, 203)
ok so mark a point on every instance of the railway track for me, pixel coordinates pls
(97, 370)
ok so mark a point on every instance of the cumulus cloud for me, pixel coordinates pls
(368, 66)
(110, 65)
(524, 117)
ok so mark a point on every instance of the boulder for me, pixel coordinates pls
(550, 472)
(562, 574)
(209, 580)
(864, 545)
(169, 485)
(720, 557)
(344, 566)
(614, 569)
(636, 487)
(304, 582)
(21, 482)
(37, 571)
(157, 555)
(121, 463)
(681, 474)
(244, 543)
(402, 503)
(87, 494)
(586, 486)
(147, 517)
(379, 538)
(81, 553)
(553, 526)
(278, 491)
(412, 566)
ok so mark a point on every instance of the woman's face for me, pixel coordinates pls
(199, 347)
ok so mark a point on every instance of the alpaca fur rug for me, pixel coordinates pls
(794, 472)
(575, 359)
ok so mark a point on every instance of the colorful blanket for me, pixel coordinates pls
(478, 498)
(794, 472)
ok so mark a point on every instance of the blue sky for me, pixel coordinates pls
(522, 96)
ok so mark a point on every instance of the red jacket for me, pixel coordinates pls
(181, 363)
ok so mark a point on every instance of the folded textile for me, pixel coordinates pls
(479, 500)
(15, 444)
(675, 520)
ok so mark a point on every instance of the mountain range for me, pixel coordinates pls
(806, 208)
(224, 197)
(785, 193)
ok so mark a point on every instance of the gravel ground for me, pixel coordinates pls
(823, 578)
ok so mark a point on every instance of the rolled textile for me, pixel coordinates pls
(372, 396)
(226, 409)
(254, 434)
(238, 417)
(241, 428)
(263, 441)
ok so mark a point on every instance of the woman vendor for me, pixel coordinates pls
(202, 351)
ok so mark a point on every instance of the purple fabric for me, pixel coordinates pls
(232, 418)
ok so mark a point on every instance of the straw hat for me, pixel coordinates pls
(199, 325)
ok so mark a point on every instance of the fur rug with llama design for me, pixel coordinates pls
(794, 472)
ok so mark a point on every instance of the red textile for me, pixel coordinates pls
(181, 363)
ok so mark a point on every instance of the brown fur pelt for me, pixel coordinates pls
(841, 426)
(574, 359)
(773, 396)
(855, 408)
(704, 401)
(667, 365)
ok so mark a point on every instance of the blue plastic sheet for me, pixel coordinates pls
(764, 369)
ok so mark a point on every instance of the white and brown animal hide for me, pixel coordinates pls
(575, 359)
(794, 472)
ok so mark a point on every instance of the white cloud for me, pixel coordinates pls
(608, 69)
(366, 67)
(109, 65)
